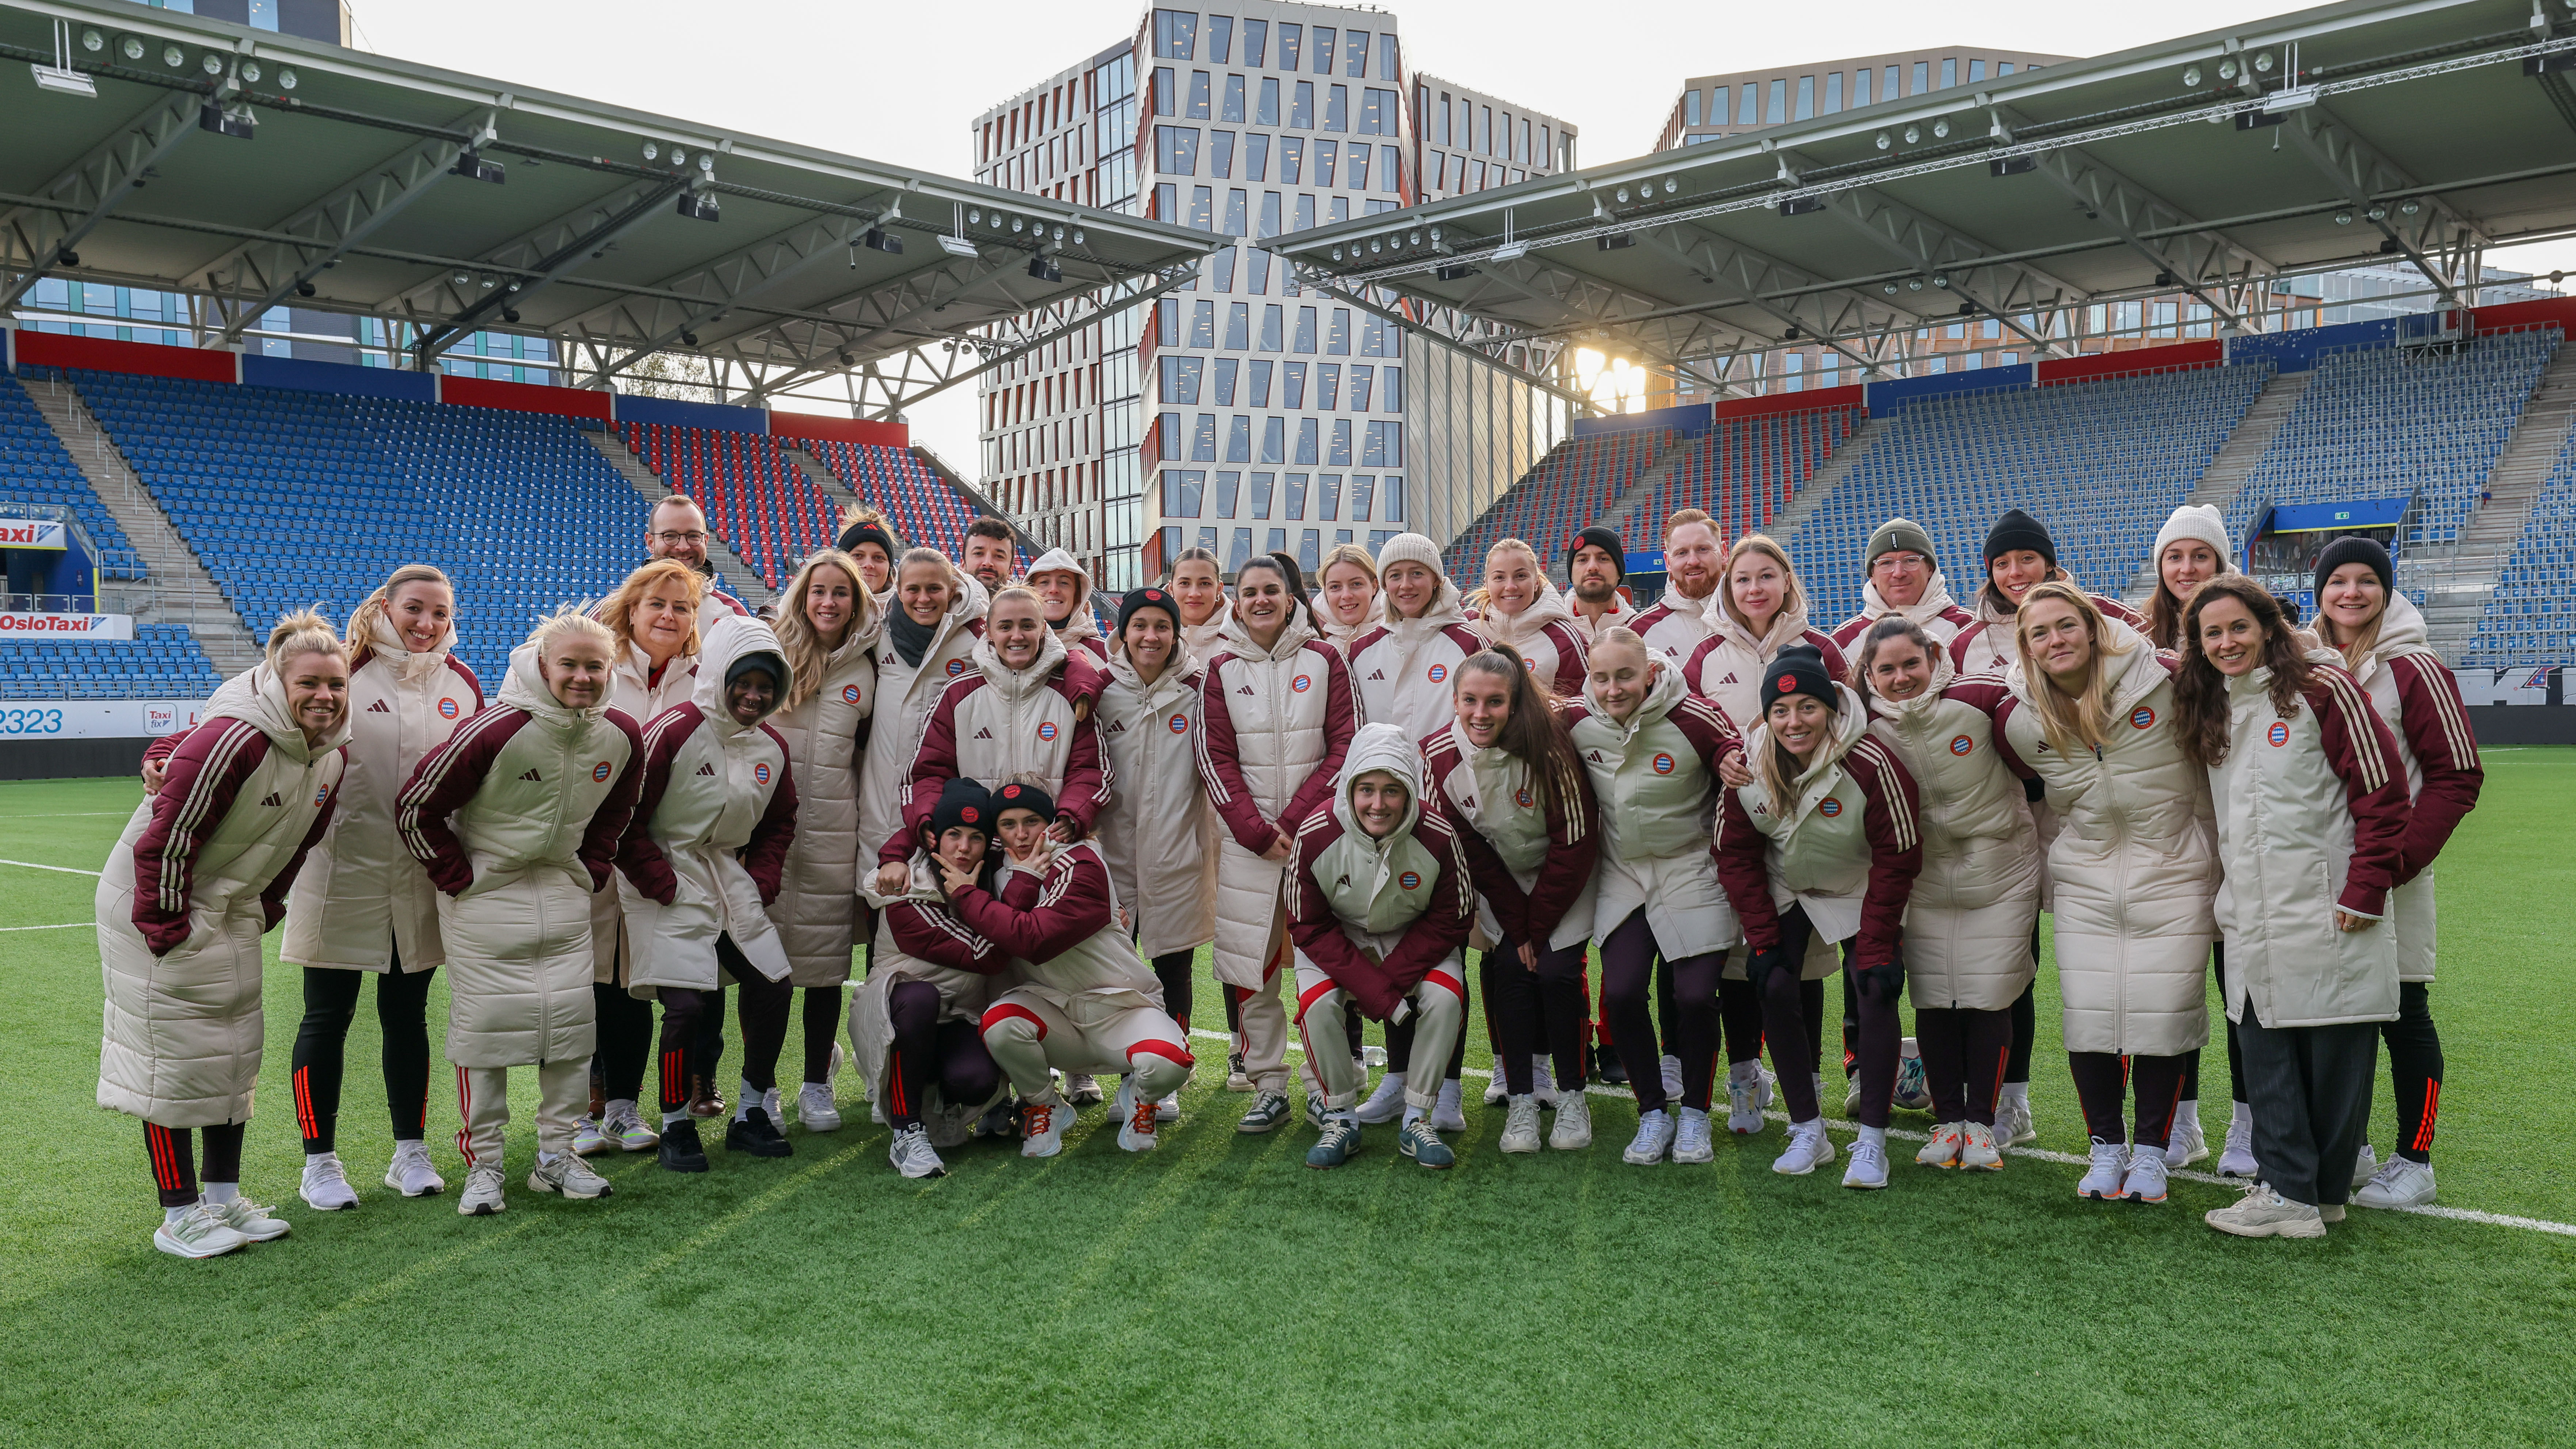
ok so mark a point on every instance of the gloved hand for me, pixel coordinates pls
(1764, 961)
(1886, 981)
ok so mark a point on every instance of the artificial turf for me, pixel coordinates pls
(1218, 1292)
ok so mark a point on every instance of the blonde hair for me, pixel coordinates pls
(618, 609)
(361, 635)
(1793, 599)
(1016, 591)
(300, 633)
(1685, 518)
(1349, 553)
(858, 513)
(570, 620)
(1482, 594)
(805, 650)
(2068, 720)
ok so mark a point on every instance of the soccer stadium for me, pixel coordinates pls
(1444, 662)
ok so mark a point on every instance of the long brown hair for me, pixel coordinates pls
(2200, 691)
(1536, 735)
(808, 657)
(2164, 611)
(2068, 720)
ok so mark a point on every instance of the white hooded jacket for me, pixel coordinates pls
(1403, 668)
(817, 909)
(1936, 613)
(906, 694)
(1158, 832)
(1654, 777)
(1545, 636)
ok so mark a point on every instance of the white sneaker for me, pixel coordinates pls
(1082, 1090)
(1520, 1125)
(1445, 1115)
(1770, 1085)
(196, 1233)
(2186, 1143)
(626, 1124)
(1573, 1129)
(1654, 1138)
(2365, 1167)
(569, 1174)
(2013, 1122)
(1947, 1141)
(2236, 1158)
(1744, 1099)
(1498, 1088)
(250, 1219)
(2110, 1168)
(482, 1192)
(2145, 1181)
(2403, 1183)
(589, 1137)
(1851, 1096)
(2263, 1213)
(1691, 1137)
(1386, 1103)
(1913, 1085)
(1978, 1152)
(816, 1107)
(1168, 1109)
(1543, 1080)
(326, 1185)
(1868, 1167)
(1809, 1149)
(411, 1173)
(912, 1154)
(1042, 1127)
(1135, 1120)
(1670, 1069)
(1235, 1080)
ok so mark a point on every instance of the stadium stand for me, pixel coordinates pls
(303, 498)
(2102, 463)
(753, 494)
(923, 508)
(1575, 483)
(35, 469)
(2531, 616)
(162, 661)
(1744, 470)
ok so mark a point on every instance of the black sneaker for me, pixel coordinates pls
(754, 1133)
(680, 1151)
(1607, 1066)
(1002, 1119)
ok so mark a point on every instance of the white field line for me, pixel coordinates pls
(65, 869)
(65, 926)
(2042, 1154)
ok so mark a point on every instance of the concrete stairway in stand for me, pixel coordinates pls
(1793, 519)
(2236, 458)
(740, 577)
(2459, 578)
(176, 588)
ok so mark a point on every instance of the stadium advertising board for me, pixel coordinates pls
(66, 626)
(96, 719)
(34, 533)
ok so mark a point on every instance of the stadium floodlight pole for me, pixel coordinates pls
(40, 239)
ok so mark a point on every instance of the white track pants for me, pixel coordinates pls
(1028, 1034)
(483, 1106)
(1439, 1010)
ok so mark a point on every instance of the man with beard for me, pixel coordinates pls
(1595, 563)
(990, 552)
(1694, 557)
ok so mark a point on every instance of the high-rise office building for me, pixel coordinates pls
(1244, 413)
(1715, 106)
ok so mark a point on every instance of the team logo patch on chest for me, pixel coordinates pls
(449, 709)
(1663, 764)
(2278, 734)
(1301, 684)
(599, 772)
(1411, 880)
(2141, 717)
(956, 667)
(760, 771)
(849, 694)
(321, 796)
(1437, 673)
(1047, 730)
(1524, 796)
(1962, 746)
(1829, 807)
(1180, 724)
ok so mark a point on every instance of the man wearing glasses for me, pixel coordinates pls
(1904, 578)
(678, 529)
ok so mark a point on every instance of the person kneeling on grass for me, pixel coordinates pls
(1381, 907)
(1086, 1001)
(702, 860)
(915, 1021)
(198, 876)
(518, 817)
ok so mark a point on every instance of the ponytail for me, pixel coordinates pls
(1536, 734)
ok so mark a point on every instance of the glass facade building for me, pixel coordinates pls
(1240, 413)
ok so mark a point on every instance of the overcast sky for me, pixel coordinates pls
(903, 83)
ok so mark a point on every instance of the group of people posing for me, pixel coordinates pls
(1343, 787)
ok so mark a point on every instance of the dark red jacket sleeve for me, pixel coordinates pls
(1573, 844)
(472, 682)
(1570, 655)
(1071, 909)
(933, 766)
(440, 785)
(1703, 722)
(162, 748)
(2364, 756)
(1087, 776)
(617, 809)
(764, 856)
(1318, 931)
(1441, 930)
(1744, 872)
(1220, 767)
(272, 900)
(1341, 721)
(2446, 751)
(926, 931)
(1892, 822)
(637, 853)
(1990, 697)
(206, 772)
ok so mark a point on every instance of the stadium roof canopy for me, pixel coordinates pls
(2413, 132)
(252, 169)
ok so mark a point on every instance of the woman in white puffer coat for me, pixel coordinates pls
(1519, 607)
(1968, 923)
(1346, 597)
(1158, 832)
(366, 909)
(2312, 815)
(828, 627)
(1277, 716)
(517, 818)
(930, 639)
(198, 876)
(2382, 638)
(2132, 870)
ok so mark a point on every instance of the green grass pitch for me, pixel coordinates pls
(1218, 1293)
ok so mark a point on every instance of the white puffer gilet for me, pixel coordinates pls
(1158, 834)
(817, 910)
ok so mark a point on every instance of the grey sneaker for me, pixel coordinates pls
(196, 1233)
(411, 1172)
(912, 1154)
(2263, 1213)
(569, 1174)
(1270, 1110)
(482, 1197)
(249, 1219)
(1520, 1125)
(2403, 1183)
(1573, 1129)
(1421, 1142)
